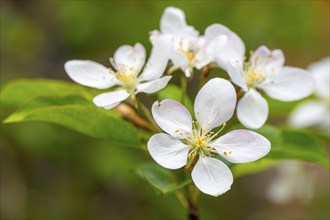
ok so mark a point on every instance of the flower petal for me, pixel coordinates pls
(252, 110)
(110, 100)
(158, 59)
(289, 84)
(215, 103)
(173, 21)
(179, 59)
(234, 49)
(310, 113)
(90, 73)
(153, 86)
(167, 151)
(209, 49)
(267, 61)
(130, 59)
(211, 176)
(172, 117)
(321, 73)
(242, 146)
(234, 70)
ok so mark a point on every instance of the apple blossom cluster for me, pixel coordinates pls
(195, 143)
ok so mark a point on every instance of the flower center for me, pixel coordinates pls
(189, 54)
(127, 75)
(199, 141)
(251, 76)
(128, 81)
(186, 46)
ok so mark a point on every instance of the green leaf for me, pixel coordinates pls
(294, 145)
(174, 92)
(280, 108)
(240, 170)
(79, 114)
(160, 179)
(16, 92)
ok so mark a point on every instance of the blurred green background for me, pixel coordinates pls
(50, 172)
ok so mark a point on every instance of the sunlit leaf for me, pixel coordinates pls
(280, 108)
(160, 179)
(16, 92)
(294, 145)
(81, 115)
(243, 169)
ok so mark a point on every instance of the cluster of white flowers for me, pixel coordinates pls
(188, 142)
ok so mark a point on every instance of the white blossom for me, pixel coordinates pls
(185, 140)
(188, 50)
(264, 71)
(126, 74)
(316, 112)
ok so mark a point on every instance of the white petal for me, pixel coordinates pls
(208, 50)
(234, 49)
(90, 73)
(180, 60)
(321, 73)
(153, 86)
(172, 117)
(130, 59)
(242, 146)
(267, 61)
(310, 113)
(158, 59)
(187, 72)
(252, 110)
(167, 151)
(235, 69)
(211, 176)
(215, 103)
(289, 84)
(173, 21)
(111, 99)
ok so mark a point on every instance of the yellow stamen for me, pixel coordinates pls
(253, 77)
(201, 141)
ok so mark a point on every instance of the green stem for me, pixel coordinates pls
(145, 112)
(188, 199)
(193, 211)
(182, 198)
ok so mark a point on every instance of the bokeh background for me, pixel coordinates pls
(50, 172)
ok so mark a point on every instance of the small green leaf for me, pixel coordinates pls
(294, 145)
(174, 92)
(16, 92)
(301, 146)
(280, 108)
(81, 115)
(160, 179)
(243, 169)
